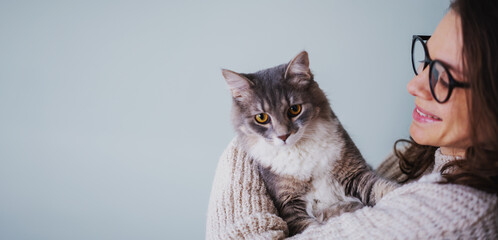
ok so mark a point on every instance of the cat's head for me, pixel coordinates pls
(277, 104)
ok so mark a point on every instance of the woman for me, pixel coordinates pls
(448, 191)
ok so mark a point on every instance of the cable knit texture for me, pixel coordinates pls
(240, 208)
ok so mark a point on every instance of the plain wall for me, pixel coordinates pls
(113, 113)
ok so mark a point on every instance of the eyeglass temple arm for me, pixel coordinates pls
(461, 84)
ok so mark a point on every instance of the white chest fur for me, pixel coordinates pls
(311, 157)
(315, 152)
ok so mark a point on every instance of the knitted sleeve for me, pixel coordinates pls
(416, 211)
(239, 207)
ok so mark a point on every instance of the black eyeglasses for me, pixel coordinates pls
(440, 80)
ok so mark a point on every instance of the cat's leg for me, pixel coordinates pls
(287, 194)
(359, 180)
(380, 188)
(371, 187)
(366, 185)
(293, 212)
(357, 177)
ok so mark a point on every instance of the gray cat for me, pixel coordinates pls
(311, 168)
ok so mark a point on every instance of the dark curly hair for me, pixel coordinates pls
(479, 168)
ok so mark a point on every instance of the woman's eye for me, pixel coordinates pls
(294, 110)
(443, 81)
(262, 118)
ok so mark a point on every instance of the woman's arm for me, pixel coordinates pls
(239, 206)
(420, 210)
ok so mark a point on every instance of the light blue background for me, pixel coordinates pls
(113, 113)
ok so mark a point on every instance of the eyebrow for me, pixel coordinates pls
(450, 67)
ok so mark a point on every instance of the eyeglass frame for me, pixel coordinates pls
(429, 62)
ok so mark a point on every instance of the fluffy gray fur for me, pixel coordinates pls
(311, 168)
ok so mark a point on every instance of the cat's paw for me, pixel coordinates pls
(382, 188)
(340, 208)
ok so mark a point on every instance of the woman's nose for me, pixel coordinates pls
(419, 85)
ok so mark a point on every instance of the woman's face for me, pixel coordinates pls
(449, 126)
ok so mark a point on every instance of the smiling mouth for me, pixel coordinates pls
(427, 115)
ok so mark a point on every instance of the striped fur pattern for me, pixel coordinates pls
(316, 171)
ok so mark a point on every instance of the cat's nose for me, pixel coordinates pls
(284, 137)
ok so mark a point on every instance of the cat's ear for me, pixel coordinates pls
(239, 85)
(298, 70)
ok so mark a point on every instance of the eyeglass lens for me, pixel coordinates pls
(439, 80)
(418, 57)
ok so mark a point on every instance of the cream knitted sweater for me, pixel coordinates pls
(239, 208)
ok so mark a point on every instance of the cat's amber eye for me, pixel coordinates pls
(262, 118)
(294, 110)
